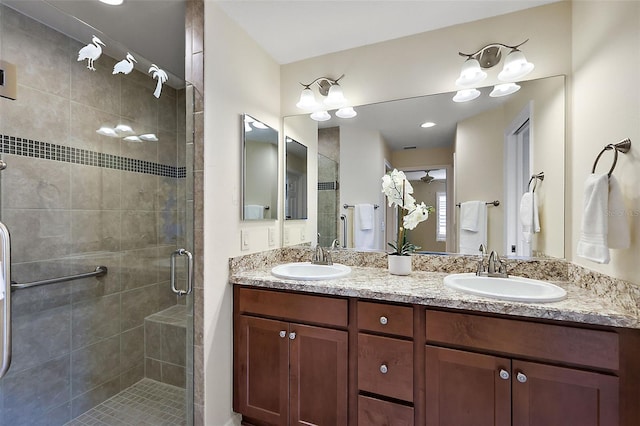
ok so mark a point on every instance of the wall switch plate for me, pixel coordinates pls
(286, 235)
(272, 237)
(244, 239)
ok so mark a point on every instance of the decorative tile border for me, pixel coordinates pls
(49, 151)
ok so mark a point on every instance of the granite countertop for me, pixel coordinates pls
(427, 288)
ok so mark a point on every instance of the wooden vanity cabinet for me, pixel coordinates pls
(464, 387)
(287, 372)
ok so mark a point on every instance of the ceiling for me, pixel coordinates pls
(289, 30)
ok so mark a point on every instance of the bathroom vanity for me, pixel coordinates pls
(375, 349)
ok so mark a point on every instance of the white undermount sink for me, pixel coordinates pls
(512, 288)
(310, 271)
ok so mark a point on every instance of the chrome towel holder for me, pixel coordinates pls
(623, 146)
(535, 178)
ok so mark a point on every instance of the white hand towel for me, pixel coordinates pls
(365, 213)
(253, 211)
(618, 236)
(364, 237)
(469, 240)
(592, 244)
(529, 215)
(470, 215)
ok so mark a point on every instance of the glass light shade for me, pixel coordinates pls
(346, 112)
(107, 131)
(132, 139)
(307, 100)
(471, 73)
(515, 66)
(320, 116)
(123, 129)
(259, 125)
(149, 137)
(335, 98)
(112, 2)
(504, 89)
(466, 95)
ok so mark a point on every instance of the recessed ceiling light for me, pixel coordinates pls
(428, 124)
(112, 2)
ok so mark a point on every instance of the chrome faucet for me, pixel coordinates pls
(496, 267)
(320, 255)
(335, 244)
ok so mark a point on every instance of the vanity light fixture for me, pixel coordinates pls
(333, 95)
(515, 67)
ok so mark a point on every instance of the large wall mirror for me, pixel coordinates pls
(483, 150)
(259, 170)
(295, 179)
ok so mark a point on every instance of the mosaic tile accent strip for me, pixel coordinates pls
(146, 403)
(48, 151)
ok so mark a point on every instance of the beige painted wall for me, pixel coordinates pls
(424, 235)
(239, 78)
(408, 158)
(605, 105)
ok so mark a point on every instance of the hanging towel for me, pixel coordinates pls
(365, 214)
(529, 215)
(253, 211)
(469, 240)
(618, 236)
(592, 244)
(470, 215)
(364, 233)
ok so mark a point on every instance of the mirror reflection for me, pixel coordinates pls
(295, 180)
(259, 170)
(485, 150)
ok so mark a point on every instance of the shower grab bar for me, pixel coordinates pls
(182, 252)
(343, 218)
(5, 257)
(99, 272)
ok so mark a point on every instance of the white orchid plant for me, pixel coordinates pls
(398, 191)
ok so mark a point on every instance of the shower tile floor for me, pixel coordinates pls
(146, 403)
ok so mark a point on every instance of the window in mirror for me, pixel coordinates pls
(260, 170)
(295, 180)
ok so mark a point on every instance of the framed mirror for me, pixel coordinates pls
(259, 170)
(465, 156)
(295, 207)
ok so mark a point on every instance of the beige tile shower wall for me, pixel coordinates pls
(77, 343)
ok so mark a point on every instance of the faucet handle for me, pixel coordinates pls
(482, 249)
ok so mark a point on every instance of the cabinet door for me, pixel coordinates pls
(545, 395)
(262, 369)
(318, 376)
(467, 389)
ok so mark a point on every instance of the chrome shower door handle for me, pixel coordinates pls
(5, 292)
(182, 252)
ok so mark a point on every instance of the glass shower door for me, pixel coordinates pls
(97, 174)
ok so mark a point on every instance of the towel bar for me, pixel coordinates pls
(623, 146)
(347, 206)
(495, 203)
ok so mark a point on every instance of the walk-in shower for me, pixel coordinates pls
(97, 197)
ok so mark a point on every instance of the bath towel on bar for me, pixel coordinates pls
(604, 222)
(364, 233)
(470, 240)
(470, 215)
(253, 211)
(365, 213)
(529, 215)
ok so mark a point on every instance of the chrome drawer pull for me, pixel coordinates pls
(504, 374)
(384, 320)
(522, 378)
(292, 335)
(283, 334)
(384, 369)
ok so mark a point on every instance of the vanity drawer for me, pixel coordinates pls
(385, 318)
(293, 306)
(385, 366)
(372, 411)
(550, 342)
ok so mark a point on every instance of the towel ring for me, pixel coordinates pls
(535, 178)
(623, 146)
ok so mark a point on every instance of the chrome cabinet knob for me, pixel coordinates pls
(292, 335)
(504, 374)
(384, 369)
(283, 334)
(521, 377)
(384, 320)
